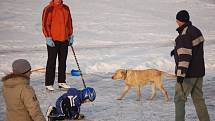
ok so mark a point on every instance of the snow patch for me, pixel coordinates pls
(102, 67)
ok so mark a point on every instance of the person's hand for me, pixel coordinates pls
(50, 42)
(71, 40)
(180, 79)
(172, 52)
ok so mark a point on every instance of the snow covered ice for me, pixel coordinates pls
(110, 34)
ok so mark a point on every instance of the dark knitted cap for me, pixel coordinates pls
(183, 16)
(21, 66)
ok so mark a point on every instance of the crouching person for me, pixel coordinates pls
(20, 98)
(68, 105)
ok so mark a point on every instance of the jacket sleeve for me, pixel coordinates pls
(32, 104)
(184, 52)
(46, 21)
(58, 104)
(70, 26)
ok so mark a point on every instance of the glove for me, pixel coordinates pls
(172, 52)
(50, 42)
(180, 79)
(71, 40)
(79, 117)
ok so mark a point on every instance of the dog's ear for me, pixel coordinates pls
(123, 72)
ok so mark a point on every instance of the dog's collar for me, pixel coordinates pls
(126, 71)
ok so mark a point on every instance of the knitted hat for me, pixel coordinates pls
(21, 66)
(183, 16)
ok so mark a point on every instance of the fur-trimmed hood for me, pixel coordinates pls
(12, 80)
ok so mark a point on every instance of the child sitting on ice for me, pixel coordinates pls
(68, 105)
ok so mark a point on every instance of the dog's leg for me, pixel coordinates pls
(153, 91)
(125, 90)
(138, 93)
(164, 92)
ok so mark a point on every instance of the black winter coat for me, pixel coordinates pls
(188, 52)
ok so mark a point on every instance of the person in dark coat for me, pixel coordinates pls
(190, 67)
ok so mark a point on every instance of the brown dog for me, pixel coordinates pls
(139, 78)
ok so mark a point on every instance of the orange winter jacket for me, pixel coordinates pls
(57, 22)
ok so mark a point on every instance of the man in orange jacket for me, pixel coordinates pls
(58, 30)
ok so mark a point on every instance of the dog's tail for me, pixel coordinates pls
(168, 75)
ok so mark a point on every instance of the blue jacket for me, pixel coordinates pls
(73, 98)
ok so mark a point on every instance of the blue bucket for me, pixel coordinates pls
(75, 72)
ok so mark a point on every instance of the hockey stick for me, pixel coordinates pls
(78, 66)
(38, 69)
(43, 70)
